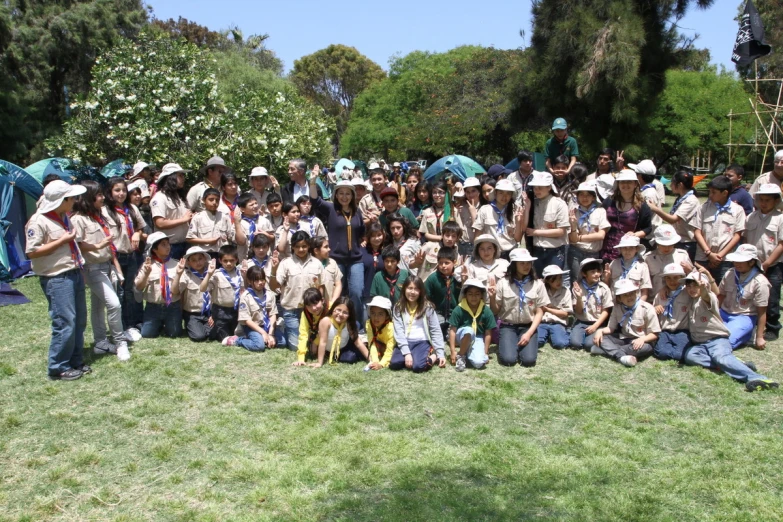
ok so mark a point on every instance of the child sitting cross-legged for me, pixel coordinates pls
(338, 336)
(196, 305)
(312, 313)
(224, 285)
(380, 332)
(417, 330)
(257, 315)
(743, 297)
(672, 305)
(630, 265)
(471, 325)
(592, 304)
(633, 327)
(388, 282)
(553, 327)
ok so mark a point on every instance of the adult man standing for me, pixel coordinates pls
(211, 173)
(297, 171)
(775, 176)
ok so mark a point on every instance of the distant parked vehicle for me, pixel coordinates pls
(422, 163)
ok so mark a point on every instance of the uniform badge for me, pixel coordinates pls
(30, 233)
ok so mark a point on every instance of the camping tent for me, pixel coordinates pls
(60, 166)
(18, 193)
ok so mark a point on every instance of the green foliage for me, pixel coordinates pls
(235, 73)
(191, 31)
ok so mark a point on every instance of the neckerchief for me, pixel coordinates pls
(591, 291)
(63, 221)
(628, 312)
(501, 217)
(586, 215)
(521, 289)
(251, 227)
(260, 264)
(261, 302)
(448, 295)
(375, 256)
(165, 284)
(724, 208)
(411, 318)
(669, 308)
(438, 217)
(106, 232)
(380, 346)
(348, 218)
(309, 220)
(231, 206)
(206, 298)
(679, 201)
(125, 212)
(464, 305)
(647, 186)
(392, 282)
(234, 285)
(742, 284)
(626, 270)
(334, 354)
(312, 326)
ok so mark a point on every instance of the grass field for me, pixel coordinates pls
(205, 432)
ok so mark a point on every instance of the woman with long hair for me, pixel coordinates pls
(403, 238)
(338, 335)
(627, 214)
(169, 208)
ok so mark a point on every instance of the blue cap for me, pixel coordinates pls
(559, 123)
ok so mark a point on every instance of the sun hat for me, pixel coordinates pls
(374, 166)
(624, 286)
(541, 179)
(626, 175)
(396, 164)
(744, 252)
(138, 167)
(258, 171)
(344, 184)
(472, 282)
(559, 123)
(770, 189)
(552, 270)
(55, 192)
(381, 302)
(673, 269)
(216, 161)
(358, 182)
(141, 185)
(472, 182)
(195, 250)
(504, 185)
(587, 186)
(695, 276)
(630, 240)
(605, 185)
(521, 254)
(589, 261)
(666, 235)
(459, 191)
(168, 169)
(485, 238)
(644, 167)
(389, 191)
(155, 238)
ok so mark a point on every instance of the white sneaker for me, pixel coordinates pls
(628, 360)
(132, 335)
(460, 366)
(103, 347)
(122, 351)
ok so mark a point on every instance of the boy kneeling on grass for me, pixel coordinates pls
(257, 315)
(471, 325)
(638, 327)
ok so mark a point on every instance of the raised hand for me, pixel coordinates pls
(576, 289)
(237, 215)
(619, 162)
(607, 273)
(491, 286)
(147, 266)
(275, 259)
(181, 266)
(212, 266)
(572, 216)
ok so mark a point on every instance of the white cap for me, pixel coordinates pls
(588, 261)
(552, 270)
(168, 169)
(396, 164)
(381, 302)
(141, 185)
(624, 286)
(627, 175)
(155, 237)
(215, 161)
(374, 166)
(696, 276)
(587, 186)
(744, 252)
(644, 167)
(258, 171)
(666, 235)
(605, 185)
(459, 193)
(139, 166)
(505, 185)
(520, 254)
(195, 250)
(540, 179)
(771, 189)
(472, 182)
(629, 240)
(475, 283)
(358, 182)
(673, 269)
(55, 192)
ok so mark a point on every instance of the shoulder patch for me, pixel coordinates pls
(30, 232)
(154, 202)
(242, 305)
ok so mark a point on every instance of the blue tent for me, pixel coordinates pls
(18, 193)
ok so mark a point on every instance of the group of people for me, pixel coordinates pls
(396, 268)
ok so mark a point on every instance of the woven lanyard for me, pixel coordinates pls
(448, 296)
(591, 291)
(501, 217)
(627, 270)
(334, 354)
(261, 302)
(125, 212)
(724, 208)
(76, 254)
(165, 284)
(521, 290)
(231, 206)
(106, 232)
(411, 318)
(628, 312)
(669, 308)
(380, 346)
(348, 218)
(234, 286)
(392, 282)
(206, 298)
(251, 227)
(586, 215)
(742, 284)
(679, 201)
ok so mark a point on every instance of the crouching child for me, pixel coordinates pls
(380, 331)
(471, 325)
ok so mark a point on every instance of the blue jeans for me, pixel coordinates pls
(252, 341)
(550, 256)
(68, 311)
(476, 355)
(157, 315)
(132, 311)
(671, 345)
(509, 351)
(291, 319)
(775, 276)
(581, 340)
(420, 353)
(555, 333)
(353, 284)
(717, 352)
(740, 327)
(178, 250)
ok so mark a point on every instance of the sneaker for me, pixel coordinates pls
(132, 335)
(760, 384)
(122, 351)
(750, 364)
(84, 369)
(68, 375)
(460, 366)
(103, 347)
(769, 335)
(628, 361)
(230, 340)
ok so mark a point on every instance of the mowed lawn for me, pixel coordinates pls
(205, 432)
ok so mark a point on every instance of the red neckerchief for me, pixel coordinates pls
(392, 283)
(125, 212)
(76, 254)
(231, 206)
(438, 217)
(381, 346)
(165, 285)
(106, 232)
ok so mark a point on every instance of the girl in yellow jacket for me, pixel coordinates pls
(380, 332)
(312, 313)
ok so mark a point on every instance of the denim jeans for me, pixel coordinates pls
(420, 353)
(178, 250)
(252, 341)
(197, 326)
(157, 315)
(551, 256)
(103, 299)
(353, 284)
(717, 353)
(555, 333)
(291, 319)
(580, 339)
(671, 345)
(68, 311)
(132, 310)
(775, 276)
(476, 355)
(690, 247)
(740, 327)
(509, 351)
(614, 348)
(226, 320)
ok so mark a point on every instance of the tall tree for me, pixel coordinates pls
(333, 78)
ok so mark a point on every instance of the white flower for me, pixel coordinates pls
(142, 106)
(131, 98)
(157, 103)
(167, 108)
(124, 125)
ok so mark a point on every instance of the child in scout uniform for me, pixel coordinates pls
(158, 281)
(443, 288)
(502, 218)
(672, 305)
(433, 217)
(553, 327)
(744, 296)
(630, 265)
(466, 214)
(683, 211)
(263, 184)
(425, 262)
(718, 225)
(225, 286)
(169, 209)
(710, 337)
(312, 313)
(274, 211)
(417, 331)
(388, 282)
(307, 222)
(338, 336)
(286, 230)
(251, 223)
(633, 327)
(665, 253)
(391, 204)
(645, 172)
(380, 332)
(196, 305)
(588, 228)
(486, 260)
(257, 315)
(333, 276)
(764, 230)
(57, 261)
(592, 301)
(518, 300)
(471, 325)
(550, 223)
(212, 228)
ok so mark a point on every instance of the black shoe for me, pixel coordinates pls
(769, 335)
(68, 375)
(750, 364)
(86, 369)
(760, 384)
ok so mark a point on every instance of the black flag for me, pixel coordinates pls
(750, 38)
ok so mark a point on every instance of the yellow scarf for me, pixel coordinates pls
(334, 354)
(348, 218)
(465, 306)
(411, 318)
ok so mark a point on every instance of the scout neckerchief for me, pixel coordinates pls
(464, 305)
(251, 227)
(628, 312)
(627, 270)
(231, 206)
(63, 221)
(234, 285)
(375, 256)
(165, 284)
(648, 186)
(501, 217)
(669, 308)
(334, 354)
(591, 291)
(379, 345)
(521, 289)
(125, 212)
(586, 215)
(308, 220)
(742, 284)
(106, 232)
(392, 282)
(411, 317)
(679, 201)
(723, 208)
(261, 302)
(348, 217)
(206, 305)
(447, 302)
(260, 264)
(438, 217)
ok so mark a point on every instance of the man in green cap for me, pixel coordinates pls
(560, 144)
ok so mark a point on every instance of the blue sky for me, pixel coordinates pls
(382, 30)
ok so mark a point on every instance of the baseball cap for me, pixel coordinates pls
(745, 252)
(559, 123)
(644, 167)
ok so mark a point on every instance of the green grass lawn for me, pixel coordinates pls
(205, 432)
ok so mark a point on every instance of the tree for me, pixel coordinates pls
(333, 78)
(191, 31)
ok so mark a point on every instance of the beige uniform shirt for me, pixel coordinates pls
(163, 206)
(261, 196)
(194, 199)
(687, 211)
(765, 232)
(639, 273)
(550, 213)
(428, 221)
(40, 231)
(191, 295)
(465, 222)
(507, 297)
(562, 301)
(119, 229)
(89, 231)
(593, 305)
(755, 293)
(650, 195)
(706, 323)
(367, 205)
(642, 322)
(295, 276)
(595, 223)
(313, 226)
(767, 177)
(249, 310)
(152, 292)
(430, 263)
(477, 269)
(332, 274)
(206, 225)
(680, 311)
(487, 223)
(262, 225)
(656, 262)
(221, 289)
(718, 230)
